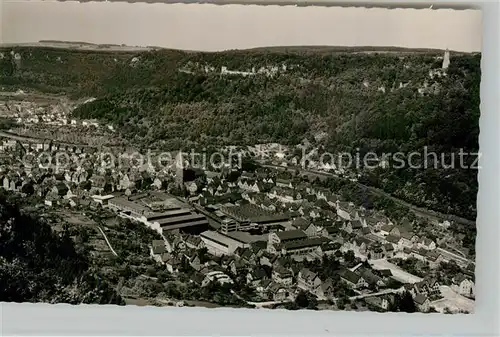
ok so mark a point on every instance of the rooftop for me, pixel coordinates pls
(350, 276)
(355, 224)
(218, 238)
(392, 239)
(121, 202)
(420, 299)
(180, 219)
(307, 274)
(252, 213)
(295, 234)
(245, 237)
(314, 242)
(300, 223)
(167, 214)
(270, 218)
(387, 228)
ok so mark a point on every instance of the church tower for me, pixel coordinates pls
(446, 59)
(179, 169)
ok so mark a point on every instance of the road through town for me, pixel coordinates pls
(397, 273)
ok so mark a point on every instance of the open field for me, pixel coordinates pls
(74, 218)
(453, 301)
(398, 273)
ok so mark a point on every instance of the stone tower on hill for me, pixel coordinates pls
(446, 59)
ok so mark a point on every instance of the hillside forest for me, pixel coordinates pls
(337, 100)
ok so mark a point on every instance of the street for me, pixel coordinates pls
(397, 273)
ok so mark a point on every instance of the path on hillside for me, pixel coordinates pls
(107, 241)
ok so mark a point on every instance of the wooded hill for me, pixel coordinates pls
(40, 265)
(381, 102)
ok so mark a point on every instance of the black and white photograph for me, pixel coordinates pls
(258, 157)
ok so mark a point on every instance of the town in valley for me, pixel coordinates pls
(265, 231)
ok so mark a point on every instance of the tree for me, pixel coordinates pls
(306, 300)
(404, 303)
(163, 276)
(28, 189)
(39, 265)
(108, 188)
(151, 271)
(233, 176)
(302, 300)
(86, 185)
(83, 236)
(349, 256)
(341, 303)
(165, 184)
(248, 164)
(203, 254)
(373, 287)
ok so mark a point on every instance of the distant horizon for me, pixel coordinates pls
(107, 47)
(212, 28)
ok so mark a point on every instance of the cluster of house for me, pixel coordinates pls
(46, 113)
(320, 212)
(51, 119)
(75, 184)
(358, 278)
(275, 277)
(31, 112)
(259, 229)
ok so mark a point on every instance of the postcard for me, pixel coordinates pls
(267, 157)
